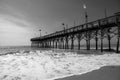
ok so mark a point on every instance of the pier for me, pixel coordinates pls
(97, 30)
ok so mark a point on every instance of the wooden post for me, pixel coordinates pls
(78, 41)
(56, 43)
(78, 44)
(50, 43)
(53, 43)
(118, 39)
(63, 43)
(89, 40)
(37, 44)
(72, 42)
(87, 44)
(118, 34)
(66, 45)
(101, 40)
(42, 44)
(117, 50)
(45, 44)
(59, 46)
(109, 38)
(101, 36)
(86, 41)
(96, 39)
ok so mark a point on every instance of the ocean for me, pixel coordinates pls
(27, 63)
(10, 49)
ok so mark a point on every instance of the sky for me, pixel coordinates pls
(20, 20)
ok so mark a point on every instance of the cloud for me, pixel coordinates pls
(9, 10)
(12, 33)
(14, 15)
(19, 22)
(15, 20)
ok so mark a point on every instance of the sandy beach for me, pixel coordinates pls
(104, 73)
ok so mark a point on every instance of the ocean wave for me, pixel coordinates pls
(49, 64)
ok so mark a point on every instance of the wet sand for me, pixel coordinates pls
(104, 73)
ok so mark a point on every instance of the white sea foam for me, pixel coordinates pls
(48, 65)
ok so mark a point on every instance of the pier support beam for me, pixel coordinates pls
(79, 44)
(89, 36)
(78, 41)
(72, 42)
(63, 44)
(45, 44)
(37, 44)
(60, 43)
(118, 39)
(101, 40)
(50, 44)
(56, 44)
(87, 41)
(66, 44)
(109, 40)
(102, 34)
(96, 39)
(53, 43)
(118, 42)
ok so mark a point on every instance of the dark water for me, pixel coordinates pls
(14, 49)
(9, 49)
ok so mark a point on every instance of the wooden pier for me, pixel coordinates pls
(100, 29)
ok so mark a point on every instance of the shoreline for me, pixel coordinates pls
(104, 73)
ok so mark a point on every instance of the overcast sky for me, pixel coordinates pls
(20, 20)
